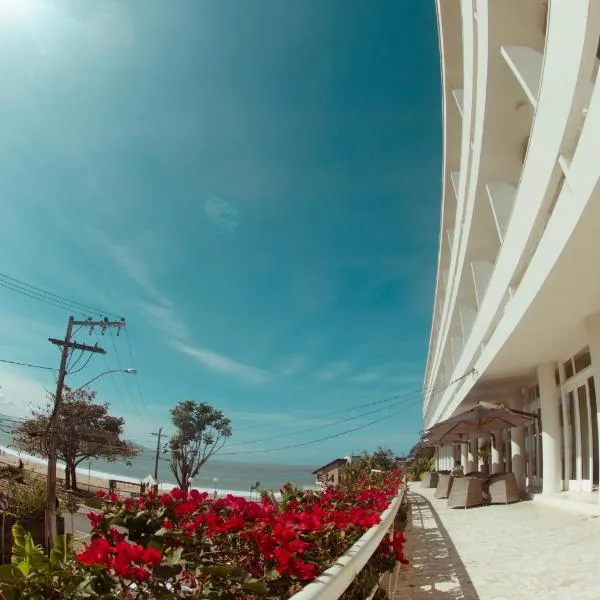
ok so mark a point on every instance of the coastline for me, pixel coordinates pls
(97, 480)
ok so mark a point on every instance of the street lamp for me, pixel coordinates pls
(126, 371)
(51, 479)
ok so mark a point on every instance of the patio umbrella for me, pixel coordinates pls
(480, 419)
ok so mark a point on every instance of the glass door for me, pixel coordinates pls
(580, 435)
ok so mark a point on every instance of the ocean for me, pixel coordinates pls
(231, 476)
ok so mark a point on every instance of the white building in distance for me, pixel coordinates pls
(517, 301)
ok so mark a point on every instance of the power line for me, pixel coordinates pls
(129, 393)
(308, 429)
(23, 364)
(402, 397)
(311, 442)
(39, 293)
(357, 428)
(137, 379)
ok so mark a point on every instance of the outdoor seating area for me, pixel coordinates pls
(474, 489)
(430, 479)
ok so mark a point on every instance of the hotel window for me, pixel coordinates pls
(569, 371)
(582, 360)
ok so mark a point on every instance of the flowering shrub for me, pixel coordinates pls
(181, 543)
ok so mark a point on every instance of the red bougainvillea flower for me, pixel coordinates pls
(95, 519)
(97, 553)
(100, 494)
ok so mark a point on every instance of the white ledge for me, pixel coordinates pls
(333, 582)
(455, 176)
(459, 97)
(526, 64)
(502, 198)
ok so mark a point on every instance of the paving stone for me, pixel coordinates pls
(525, 550)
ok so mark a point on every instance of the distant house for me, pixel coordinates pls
(329, 474)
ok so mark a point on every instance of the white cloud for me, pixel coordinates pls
(20, 393)
(223, 364)
(222, 215)
(164, 319)
(291, 365)
(332, 371)
(366, 377)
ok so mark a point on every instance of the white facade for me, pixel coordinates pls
(517, 300)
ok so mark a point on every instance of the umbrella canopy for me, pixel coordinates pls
(480, 419)
(149, 480)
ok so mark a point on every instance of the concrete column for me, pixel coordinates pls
(497, 460)
(481, 463)
(592, 325)
(550, 429)
(472, 455)
(517, 450)
(464, 456)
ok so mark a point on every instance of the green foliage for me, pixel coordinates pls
(27, 556)
(420, 450)
(27, 499)
(419, 466)
(62, 551)
(485, 452)
(289, 493)
(85, 430)
(383, 459)
(201, 430)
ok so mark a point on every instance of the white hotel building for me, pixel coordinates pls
(517, 298)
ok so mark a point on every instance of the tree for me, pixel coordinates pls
(383, 459)
(201, 431)
(421, 450)
(84, 430)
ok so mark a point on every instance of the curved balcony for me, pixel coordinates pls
(558, 85)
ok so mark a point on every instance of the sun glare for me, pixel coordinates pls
(11, 10)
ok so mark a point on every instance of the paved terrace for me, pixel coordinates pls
(526, 550)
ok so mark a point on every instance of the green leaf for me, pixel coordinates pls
(256, 587)
(62, 550)
(10, 574)
(216, 570)
(26, 555)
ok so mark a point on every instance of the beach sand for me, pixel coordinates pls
(85, 481)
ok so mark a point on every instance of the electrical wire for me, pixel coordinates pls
(20, 286)
(408, 394)
(137, 379)
(129, 393)
(23, 364)
(85, 364)
(316, 427)
(311, 442)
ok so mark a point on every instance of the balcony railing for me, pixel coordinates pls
(332, 583)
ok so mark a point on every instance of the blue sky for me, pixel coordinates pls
(253, 185)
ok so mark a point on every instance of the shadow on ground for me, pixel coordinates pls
(436, 571)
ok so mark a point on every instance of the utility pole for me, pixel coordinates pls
(159, 435)
(67, 346)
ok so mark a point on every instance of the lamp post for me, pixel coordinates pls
(126, 371)
(51, 479)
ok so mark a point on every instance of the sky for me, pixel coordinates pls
(254, 186)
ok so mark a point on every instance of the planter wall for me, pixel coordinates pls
(36, 527)
(332, 583)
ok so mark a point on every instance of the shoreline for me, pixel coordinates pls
(97, 480)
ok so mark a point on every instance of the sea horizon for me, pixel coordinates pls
(223, 476)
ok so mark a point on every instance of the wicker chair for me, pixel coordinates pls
(444, 486)
(477, 474)
(430, 480)
(466, 492)
(503, 489)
